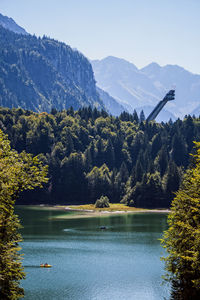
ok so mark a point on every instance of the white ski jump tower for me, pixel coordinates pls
(168, 97)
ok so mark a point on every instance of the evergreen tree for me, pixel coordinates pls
(148, 193)
(142, 116)
(161, 161)
(138, 171)
(99, 183)
(179, 150)
(171, 181)
(72, 176)
(135, 116)
(156, 145)
(188, 127)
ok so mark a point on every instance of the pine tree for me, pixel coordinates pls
(189, 132)
(156, 145)
(161, 161)
(135, 116)
(171, 181)
(99, 182)
(110, 154)
(179, 150)
(142, 116)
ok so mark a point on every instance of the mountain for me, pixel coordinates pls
(186, 83)
(123, 81)
(112, 106)
(196, 111)
(146, 86)
(10, 24)
(41, 73)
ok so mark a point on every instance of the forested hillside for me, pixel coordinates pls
(91, 153)
(42, 73)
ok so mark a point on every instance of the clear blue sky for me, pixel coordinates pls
(140, 31)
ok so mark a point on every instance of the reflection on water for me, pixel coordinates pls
(121, 262)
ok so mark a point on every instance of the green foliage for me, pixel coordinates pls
(18, 172)
(90, 154)
(102, 202)
(99, 182)
(182, 239)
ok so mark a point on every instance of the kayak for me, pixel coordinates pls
(45, 266)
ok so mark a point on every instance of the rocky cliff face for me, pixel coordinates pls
(42, 73)
(10, 24)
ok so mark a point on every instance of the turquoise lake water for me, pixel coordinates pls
(121, 262)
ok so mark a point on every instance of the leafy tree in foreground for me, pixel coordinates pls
(182, 239)
(18, 172)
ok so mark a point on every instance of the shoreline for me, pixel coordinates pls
(81, 212)
(84, 213)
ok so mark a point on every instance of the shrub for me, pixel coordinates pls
(102, 202)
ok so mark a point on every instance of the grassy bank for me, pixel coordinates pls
(89, 210)
(114, 207)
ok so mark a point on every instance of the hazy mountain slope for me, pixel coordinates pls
(123, 81)
(10, 24)
(39, 74)
(196, 111)
(112, 106)
(187, 86)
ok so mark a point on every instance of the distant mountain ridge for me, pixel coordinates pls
(9, 23)
(146, 86)
(113, 106)
(122, 80)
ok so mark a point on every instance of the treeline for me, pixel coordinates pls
(90, 154)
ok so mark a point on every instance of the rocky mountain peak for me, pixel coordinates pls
(10, 24)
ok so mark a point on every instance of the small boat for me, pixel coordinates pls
(45, 266)
(103, 227)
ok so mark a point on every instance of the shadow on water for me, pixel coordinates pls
(31, 266)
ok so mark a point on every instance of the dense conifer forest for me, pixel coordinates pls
(91, 153)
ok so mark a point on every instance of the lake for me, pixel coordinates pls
(121, 262)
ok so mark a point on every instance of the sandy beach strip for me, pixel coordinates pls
(87, 213)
